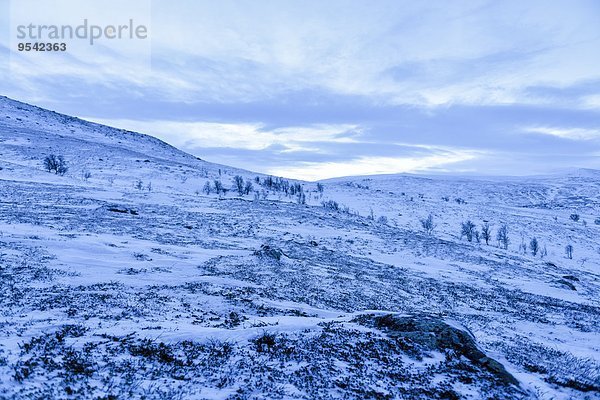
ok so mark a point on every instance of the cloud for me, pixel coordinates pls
(331, 148)
(337, 87)
(369, 165)
(565, 133)
(248, 136)
(393, 52)
(592, 102)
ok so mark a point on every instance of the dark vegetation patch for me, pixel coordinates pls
(335, 360)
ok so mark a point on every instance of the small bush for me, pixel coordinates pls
(534, 246)
(207, 188)
(78, 363)
(248, 188)
(55, 164)
(238, 183)
(330, 205)
(428, 224)
(265, 342)
(218, 186)
(574, 217)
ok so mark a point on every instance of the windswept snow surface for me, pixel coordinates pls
(134, 283)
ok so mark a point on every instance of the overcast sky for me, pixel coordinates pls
(317, 89)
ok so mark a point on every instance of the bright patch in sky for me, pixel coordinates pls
(566, 133)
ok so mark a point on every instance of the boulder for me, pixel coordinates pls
(435, 334)
(269, 252)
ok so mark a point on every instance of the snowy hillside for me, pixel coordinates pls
(113, 156)
(130, 277)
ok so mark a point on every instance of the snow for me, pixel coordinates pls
(172, 264)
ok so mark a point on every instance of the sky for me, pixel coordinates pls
(314, 90)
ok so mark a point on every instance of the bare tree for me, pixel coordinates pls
(534, 246)
(207, 188)
(468, 230)
(330, 205)
(301, 198)
(523, 245)
(238, 183)
(569, 251)
(486, 232)
(382, 220)
(248, 187)
(502, 236)
(55, 164)
(428, 224)
(218, 186)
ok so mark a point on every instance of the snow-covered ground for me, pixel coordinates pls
(132, 282)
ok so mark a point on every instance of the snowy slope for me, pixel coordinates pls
(116, 157)
(539, 207)
(170, 292)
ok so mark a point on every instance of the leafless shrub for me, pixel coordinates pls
(428, 224)
(534, 246)
(468, 230)
(502, 236)
(569, 251)
(55, 164)
(486, 232)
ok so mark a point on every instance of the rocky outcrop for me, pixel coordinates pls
(434, 334)
(267, 251)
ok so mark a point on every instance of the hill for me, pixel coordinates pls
(112, 288)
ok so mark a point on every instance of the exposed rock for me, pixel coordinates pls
(269, 252)
(122, 210)
(435, 334)
(565, 284)
(571, 278)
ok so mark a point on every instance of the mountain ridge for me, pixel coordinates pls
(8, 107)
